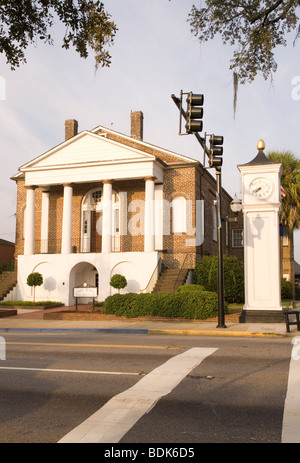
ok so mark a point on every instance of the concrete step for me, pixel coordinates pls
(8, 281)
(170, 280)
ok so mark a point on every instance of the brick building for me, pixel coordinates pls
(102, 203)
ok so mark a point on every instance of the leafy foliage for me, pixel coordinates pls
(185, 304)
(254, 27)
(290, 180)
(206, 274)
(185, 288)
(34, 279)
(25, 22)
(286, 289)
(118, 281)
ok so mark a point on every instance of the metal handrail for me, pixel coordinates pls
(180, 271)
(148, 284)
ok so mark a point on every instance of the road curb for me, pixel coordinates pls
(59, 330)
(150, 331)
(216, 333)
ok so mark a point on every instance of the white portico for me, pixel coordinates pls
(88, 159)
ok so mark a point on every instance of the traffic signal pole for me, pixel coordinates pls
(213, 154)
(221, 303)
(201, 140)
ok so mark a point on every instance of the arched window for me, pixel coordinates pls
(179, 215)
(91, 221)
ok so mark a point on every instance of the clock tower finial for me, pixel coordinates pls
(261, 145)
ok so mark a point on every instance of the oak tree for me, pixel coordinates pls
(253, 27)
(87, 25)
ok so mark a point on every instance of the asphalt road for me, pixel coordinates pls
(51, 383)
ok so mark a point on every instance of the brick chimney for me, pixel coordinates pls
(71, 128)
(137, 119)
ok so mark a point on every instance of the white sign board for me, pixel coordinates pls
(86, 292)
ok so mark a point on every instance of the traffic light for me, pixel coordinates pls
(194, 112)
(216, 151)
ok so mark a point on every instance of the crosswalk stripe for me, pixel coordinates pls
(111, 422)
(291, 414)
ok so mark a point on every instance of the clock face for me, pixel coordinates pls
(261, 188)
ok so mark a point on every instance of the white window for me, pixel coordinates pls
(96, 197)
(92, 204)
(237, 238)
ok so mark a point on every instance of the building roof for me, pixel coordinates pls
(6, 243)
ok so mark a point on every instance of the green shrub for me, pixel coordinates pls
(185, 304)
(34, 279)
(118, 282)
(190, 288)
(286, 289)
(206, 275)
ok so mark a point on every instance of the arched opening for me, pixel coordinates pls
(83, 272)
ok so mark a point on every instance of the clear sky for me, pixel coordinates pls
(154, 55)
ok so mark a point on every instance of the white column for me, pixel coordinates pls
(107, 217)
(66, 243)
(149, 230)
(45, 221)
(29, 222)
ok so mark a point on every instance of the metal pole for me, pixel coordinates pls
(202, 141)
(221, 311)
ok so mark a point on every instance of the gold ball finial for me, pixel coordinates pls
(261, 145)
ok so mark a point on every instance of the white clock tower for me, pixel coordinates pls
(261, 207)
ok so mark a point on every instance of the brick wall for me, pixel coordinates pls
(21, 203)
(137, 122)
(192, 182)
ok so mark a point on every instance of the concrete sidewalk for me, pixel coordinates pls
(32, 320)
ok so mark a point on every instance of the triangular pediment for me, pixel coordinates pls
(87, 148)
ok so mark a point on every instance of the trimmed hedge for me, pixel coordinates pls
(30, 303)
(189, 304)
(186, 288)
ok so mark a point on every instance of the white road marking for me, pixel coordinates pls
(291, 415)
(60, 370)
(111, 422)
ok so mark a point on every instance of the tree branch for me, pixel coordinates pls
(265, 13)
